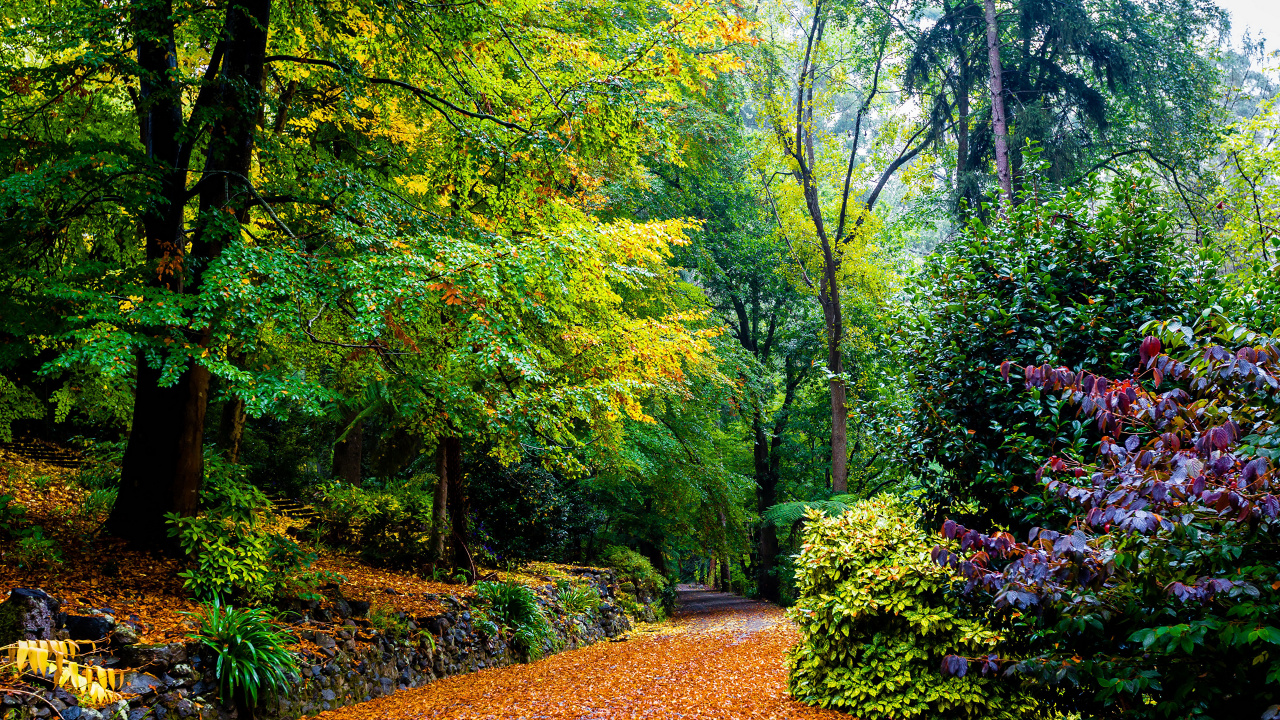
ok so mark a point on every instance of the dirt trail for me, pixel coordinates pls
(724, 658)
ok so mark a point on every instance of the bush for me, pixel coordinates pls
(251, 657)
(525, 512)
(1160, 596)
(515, 608)
(578, 599)
(876, 620)
(1067, 278)
(634, 568)
(389, 527)
(234, 550)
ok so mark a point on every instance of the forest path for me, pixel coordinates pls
(724, 657)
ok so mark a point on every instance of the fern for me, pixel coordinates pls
(789, 513)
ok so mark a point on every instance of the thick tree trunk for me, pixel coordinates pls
(726, 575)
(162, 464)
(999, 123)
(713, 575)
(348, 451)
(439, 523)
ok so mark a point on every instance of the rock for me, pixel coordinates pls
(140, 683)
(329, 695)
(90, 714)
(325, 642)
(342, 608)
(72, 713)
(154, 658)
(359, 608)
(29, 614)
(88, 628)
(124, 635)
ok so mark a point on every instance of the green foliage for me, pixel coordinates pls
(789, 513)
(514, 608)
(250, 655)
(634, 568)
(526, 512)
(577, 599)
(388, 621)
(1065, 278)
(16, 403)
(34, 550)
(1159, 597)
(390, 526)
(876, 618)
(233, 549)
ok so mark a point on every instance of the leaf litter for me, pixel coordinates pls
(723, 658)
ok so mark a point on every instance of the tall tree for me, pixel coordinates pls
(861, 57)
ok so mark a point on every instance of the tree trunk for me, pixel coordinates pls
(726, 576)
(766, 497)
(348, 451)
(835, 366)
(713, 575)
(163, 464)
(438, 504)
(159, 473)
(457, 503)
(999, 123)
(231, 428)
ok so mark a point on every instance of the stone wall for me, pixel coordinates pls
(350, 660)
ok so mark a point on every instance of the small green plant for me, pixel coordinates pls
(251, 657)
(234, 552)
(578, 599)
(389, 622)
(515, 608)
(34, 550)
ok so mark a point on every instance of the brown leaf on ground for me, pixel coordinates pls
(726, 659)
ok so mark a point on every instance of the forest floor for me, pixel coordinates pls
(721, 657)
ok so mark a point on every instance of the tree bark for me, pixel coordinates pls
(439, 503)
(231, 428)
(457, 503)
(766, 497)
(726, 576)
(999, 122)
(348, 451)
(160, 474)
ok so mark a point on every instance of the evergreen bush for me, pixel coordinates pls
(877, 617)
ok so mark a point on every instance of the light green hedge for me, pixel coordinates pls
(875, 624)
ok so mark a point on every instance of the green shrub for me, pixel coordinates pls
(234, 551)
(578, 599)
(634, 568)
(876, 619)
(515, 608)
(251, 657)
(389, 527)
(1065, 278)
(35, 550)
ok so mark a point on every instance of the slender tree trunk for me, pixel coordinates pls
(439, 503)
(457, 503)
(231, 428)
(766, 497)
(726, 575)
(713, 575)
(835, 366)
(999, 122)
(348, 451)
